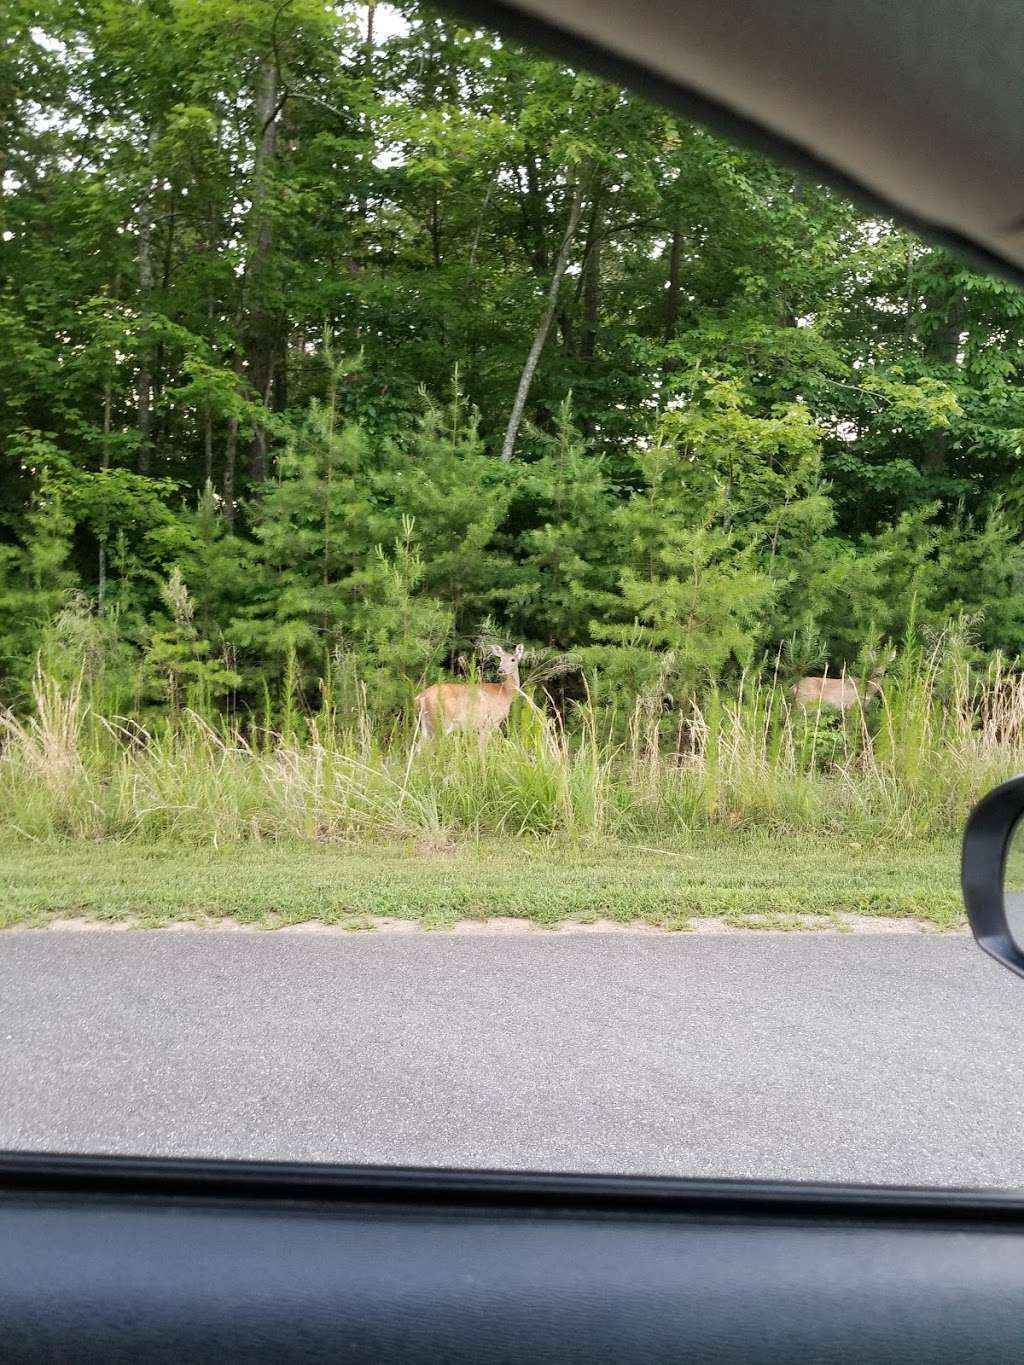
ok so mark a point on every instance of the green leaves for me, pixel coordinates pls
(785, 416)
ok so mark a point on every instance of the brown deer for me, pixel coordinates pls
(841, 693)
(469, 706)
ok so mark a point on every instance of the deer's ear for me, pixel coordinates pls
(519, 652)
(497, 652)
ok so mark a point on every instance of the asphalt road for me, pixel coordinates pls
(889, 1059)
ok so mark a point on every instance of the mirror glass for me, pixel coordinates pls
(1013, 884)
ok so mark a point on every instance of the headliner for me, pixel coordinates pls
(913, 106)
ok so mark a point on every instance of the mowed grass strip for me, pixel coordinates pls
(740, 880)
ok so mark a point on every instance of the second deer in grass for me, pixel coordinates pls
(842, 692)
(447, 707)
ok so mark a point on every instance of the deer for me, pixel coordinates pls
(446, 707)
(842, 693)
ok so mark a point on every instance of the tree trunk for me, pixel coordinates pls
(943, 347)
(435, 230)
(591, 286)
(533, 216)
(480, 220)
(207, 409)
(207, 444)
(543, 327)
(908, 326)
(672, 292)
(279, 397)
(262, 340)
(159, 419)
(144, 395)
(227, 489)
(672, 297)
(101, 566)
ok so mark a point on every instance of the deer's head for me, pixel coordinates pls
(508, 663)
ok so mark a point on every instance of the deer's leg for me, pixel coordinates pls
(423, 731)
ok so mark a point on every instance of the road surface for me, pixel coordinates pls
(879, 1058)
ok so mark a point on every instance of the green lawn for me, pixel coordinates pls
(738, 879)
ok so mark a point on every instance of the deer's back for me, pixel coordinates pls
(839, 692)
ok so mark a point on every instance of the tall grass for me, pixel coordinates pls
(907, 767)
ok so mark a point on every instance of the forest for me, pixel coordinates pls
(340, 340)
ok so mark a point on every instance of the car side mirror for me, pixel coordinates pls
(992, 874)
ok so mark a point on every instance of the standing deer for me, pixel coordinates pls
(841, 693)
(469, 706)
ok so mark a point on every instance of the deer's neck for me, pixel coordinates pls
(510, 685)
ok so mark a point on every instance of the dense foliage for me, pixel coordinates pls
(332, 336)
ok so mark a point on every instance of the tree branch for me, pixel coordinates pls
(543, 327)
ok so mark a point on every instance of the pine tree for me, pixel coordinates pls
(397, 634)
(567, 573)
(459, 496)
(315, 526)
(690, 591)
(178, 667)
(36, 579)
